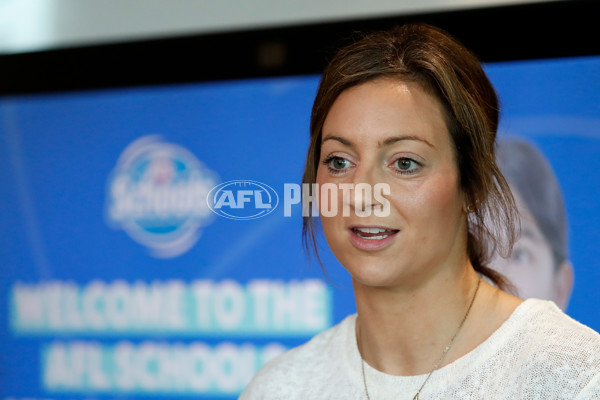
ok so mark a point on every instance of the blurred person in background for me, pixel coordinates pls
(539, 265)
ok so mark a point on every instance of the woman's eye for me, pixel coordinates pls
(337, 163)
(406, 165)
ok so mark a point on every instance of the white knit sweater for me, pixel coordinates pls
(538, 353)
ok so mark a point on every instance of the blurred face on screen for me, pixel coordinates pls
(531, 266)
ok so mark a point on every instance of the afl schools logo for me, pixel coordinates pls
(242, 199)
(157, 194)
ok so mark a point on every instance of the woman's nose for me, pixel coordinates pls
(366, 182)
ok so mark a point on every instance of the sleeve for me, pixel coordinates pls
(266, 388)
(251, 392)
(258, 388)
(269, 383)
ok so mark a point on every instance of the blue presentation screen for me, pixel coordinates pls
(120, 280)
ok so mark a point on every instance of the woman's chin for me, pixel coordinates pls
(375, 275)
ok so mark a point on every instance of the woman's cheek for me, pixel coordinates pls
(442, 193)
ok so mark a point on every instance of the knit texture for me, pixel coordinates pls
(537, 353)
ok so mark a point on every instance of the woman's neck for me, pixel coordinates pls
(404, 331)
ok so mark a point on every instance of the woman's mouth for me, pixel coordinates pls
(372, 238)
(373, 233)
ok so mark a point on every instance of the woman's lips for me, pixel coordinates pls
(372, 237)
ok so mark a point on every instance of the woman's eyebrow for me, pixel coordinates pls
(389, 141)
(339, 139)
(395, 139)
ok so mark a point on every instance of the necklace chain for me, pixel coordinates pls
(439, 361)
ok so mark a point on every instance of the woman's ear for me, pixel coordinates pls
(563, 284)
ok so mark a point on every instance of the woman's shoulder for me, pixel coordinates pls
(289, 372)
(539, 352)
(552, 347)
(543, 324)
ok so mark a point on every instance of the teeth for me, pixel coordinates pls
(372, 237)
(371, 230)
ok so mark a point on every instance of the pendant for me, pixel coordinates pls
(416, 396)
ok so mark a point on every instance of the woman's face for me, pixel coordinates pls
(393, 132)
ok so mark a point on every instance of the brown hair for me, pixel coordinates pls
(446, 69)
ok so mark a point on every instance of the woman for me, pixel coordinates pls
(413, 109)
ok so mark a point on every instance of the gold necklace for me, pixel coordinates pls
(439, 361)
